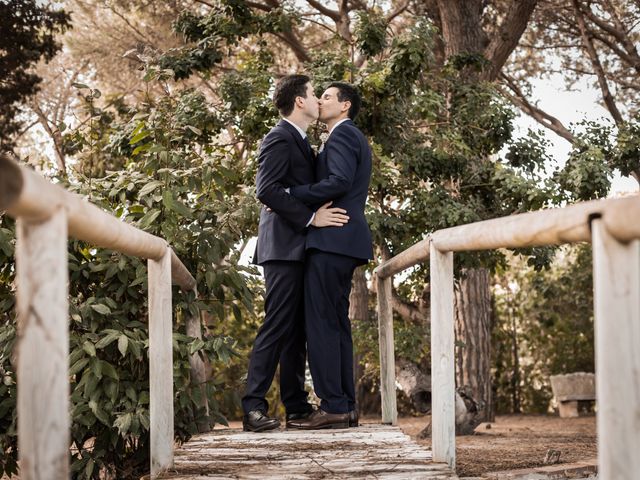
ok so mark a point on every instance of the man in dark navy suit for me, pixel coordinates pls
(343, 168)
(285, 159)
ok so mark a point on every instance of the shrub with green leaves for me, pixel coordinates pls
(175, 186)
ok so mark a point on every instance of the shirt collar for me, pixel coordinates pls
(302, 133)
(341, 121)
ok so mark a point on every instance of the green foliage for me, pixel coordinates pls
(371, 32)
(28, 31)
(8, 393)
(544, 327)
(210, 36)
(8, 418)
(529, 153)
(626, 153)
(587, 173)
(172, 182)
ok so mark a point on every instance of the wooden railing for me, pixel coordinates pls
(46, 215)
(613, 228)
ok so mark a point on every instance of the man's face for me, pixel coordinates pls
(330, 107)
(310, 105)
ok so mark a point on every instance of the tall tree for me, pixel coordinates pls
(27, 34)
(427, 71)
(393, 55)
(465, 32)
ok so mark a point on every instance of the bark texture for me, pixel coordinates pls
(473, 335)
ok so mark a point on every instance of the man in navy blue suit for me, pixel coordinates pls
(285, 159)
(343, 168)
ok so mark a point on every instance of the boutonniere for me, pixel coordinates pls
(323, 138)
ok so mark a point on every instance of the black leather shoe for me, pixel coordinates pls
(258, 421)
(296, 417)
(353, 418)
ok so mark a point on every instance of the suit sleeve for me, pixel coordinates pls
(342, 163)
(273, 163)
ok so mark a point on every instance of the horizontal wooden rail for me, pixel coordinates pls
(544, 227)
(617, 297)
(27, 195)
(411, 256)
(46, 215)
(540, 228)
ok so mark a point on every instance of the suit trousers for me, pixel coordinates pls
(280, 339)
(327, 288)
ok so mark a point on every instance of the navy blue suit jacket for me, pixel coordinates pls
(284, 160)
(343, 170)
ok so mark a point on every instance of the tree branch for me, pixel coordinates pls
(259, 6)
(548, 121)
(296, 45)
(332, 14)
(398, 11)
(408, 311)
(632, 62)
(610, 29)
(624, 39)
(205, 3)
(130, 25)
(597, 66)
(55, 135)
(511, 29)
(27, 128)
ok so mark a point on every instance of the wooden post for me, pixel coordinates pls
(43, 348)
(160, 364)
(193, 324)
(616, 273)
(443, 429)
(387, 352)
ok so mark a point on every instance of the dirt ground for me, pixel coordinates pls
(516, 441)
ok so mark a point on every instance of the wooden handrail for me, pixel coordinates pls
(46, 214)
(613, 227)
(540, 228)
(413, 255)
(27, 195)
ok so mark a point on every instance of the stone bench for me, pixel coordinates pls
(572, 388)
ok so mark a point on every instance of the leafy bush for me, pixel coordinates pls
(171, 187)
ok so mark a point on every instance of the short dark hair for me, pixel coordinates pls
(287, 90)
(347, 92)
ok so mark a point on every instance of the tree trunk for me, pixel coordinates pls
(473, 339)
(461, 26)
(462, 32)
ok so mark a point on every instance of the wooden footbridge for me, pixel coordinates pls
(46, 215)
(369, 451)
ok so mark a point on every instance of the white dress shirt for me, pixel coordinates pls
(302, 133)
(337, 123)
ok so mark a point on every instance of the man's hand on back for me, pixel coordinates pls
(330, 217)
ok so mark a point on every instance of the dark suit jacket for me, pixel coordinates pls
(283, 161)
(343, 169)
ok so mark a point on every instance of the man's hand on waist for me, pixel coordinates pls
(330, 217)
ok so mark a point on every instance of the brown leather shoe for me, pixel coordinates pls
(321, 419)
(293, 418)
(353, 418)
